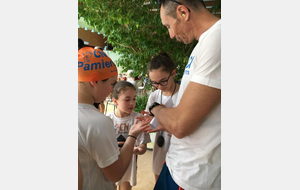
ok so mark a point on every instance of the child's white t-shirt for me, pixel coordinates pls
(96, 147)
(122, 127)
(159, 153)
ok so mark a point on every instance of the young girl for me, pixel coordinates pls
(100, 160)
(124, 95)
(161, 73)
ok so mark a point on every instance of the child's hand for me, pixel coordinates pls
(150, 130)
(146, 117)
(144, 112)
(137, 128)
(141, 149)
(138, 150)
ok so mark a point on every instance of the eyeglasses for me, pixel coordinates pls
(161, 83)
(159, 3)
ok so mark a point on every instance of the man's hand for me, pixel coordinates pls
(149, 129)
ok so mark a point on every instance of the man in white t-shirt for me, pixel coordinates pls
(193, 161)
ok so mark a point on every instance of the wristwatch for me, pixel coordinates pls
(152, 106)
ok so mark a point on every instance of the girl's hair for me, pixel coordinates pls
(120, 87)
(162, 61)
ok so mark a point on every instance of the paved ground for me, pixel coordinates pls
(145, 176)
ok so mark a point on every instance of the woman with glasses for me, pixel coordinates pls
(161, 74)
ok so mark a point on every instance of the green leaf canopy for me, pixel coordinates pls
(134, 29)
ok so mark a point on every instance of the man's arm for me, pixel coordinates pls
(197, 101)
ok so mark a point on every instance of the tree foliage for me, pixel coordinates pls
(134, 31)
(141, 103)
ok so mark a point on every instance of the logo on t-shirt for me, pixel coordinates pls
(122, 128)
(188, 67)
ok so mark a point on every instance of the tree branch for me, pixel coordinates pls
(127, 47)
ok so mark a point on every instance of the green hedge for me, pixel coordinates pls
(141, 102)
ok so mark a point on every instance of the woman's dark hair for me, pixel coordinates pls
(162, 61)
(120, 87)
